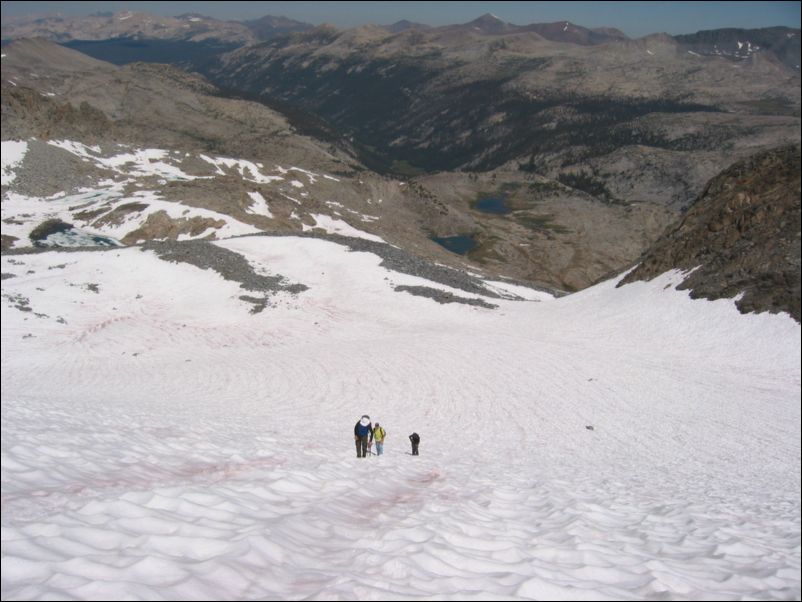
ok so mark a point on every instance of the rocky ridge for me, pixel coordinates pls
(741, 238)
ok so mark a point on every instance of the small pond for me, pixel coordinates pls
(55, 233)
(495, 205)
(461, 245)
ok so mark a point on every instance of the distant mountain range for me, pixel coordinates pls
(189, 27)
(780, 42)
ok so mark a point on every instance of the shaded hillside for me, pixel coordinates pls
(742, 235)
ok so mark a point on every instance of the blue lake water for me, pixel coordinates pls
(497, 206)
(461, 245)
(65, 235)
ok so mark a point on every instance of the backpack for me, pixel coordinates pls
(415, 438)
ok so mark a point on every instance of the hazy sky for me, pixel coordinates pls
(633, 18)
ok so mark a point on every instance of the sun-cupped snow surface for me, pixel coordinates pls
(159, 441)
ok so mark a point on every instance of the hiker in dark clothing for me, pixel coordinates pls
(363, 436)
(415, 440)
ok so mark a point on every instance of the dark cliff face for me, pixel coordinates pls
(743, 236)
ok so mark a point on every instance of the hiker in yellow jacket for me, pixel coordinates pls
(378, 437)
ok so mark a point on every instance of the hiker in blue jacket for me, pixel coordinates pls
(363, 436)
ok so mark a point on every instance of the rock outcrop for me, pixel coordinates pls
(741, 238)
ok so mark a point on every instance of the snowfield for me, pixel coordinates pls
(110, 208)
(162, 442)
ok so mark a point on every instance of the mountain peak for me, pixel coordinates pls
(270, 26)
(404, 25)
(489, 23)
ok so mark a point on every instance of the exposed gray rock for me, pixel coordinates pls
(442, 296)
(47, 170)
(230, 265)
